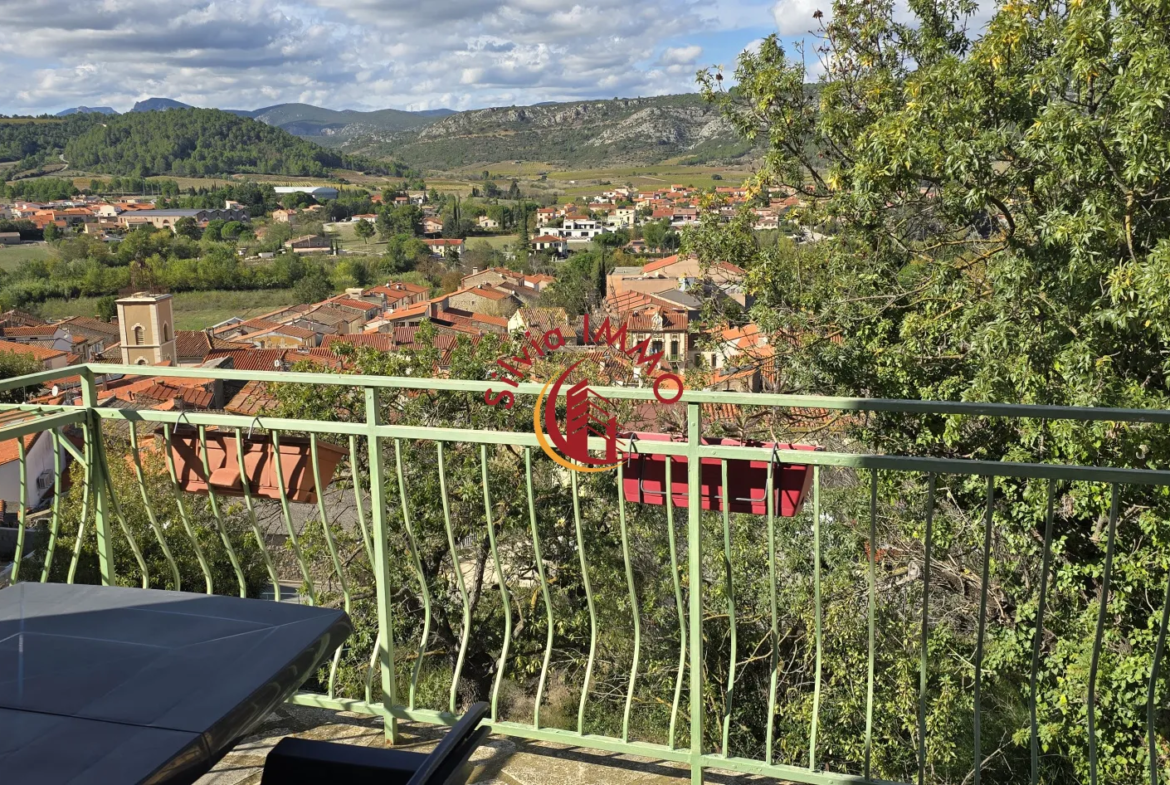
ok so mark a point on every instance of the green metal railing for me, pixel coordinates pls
(686, 559)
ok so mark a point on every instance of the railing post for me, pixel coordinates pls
(381, 572)
(105, 540)
(695, 579)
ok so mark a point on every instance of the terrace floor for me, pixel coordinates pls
(500, 761)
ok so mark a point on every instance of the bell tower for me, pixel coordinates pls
(146, 326)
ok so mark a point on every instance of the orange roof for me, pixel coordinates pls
(41, 353)
(345, 302)
(164, 392)
(547, 238)
(30, 332)
(252, 399)
(667, 261)
(484, 290)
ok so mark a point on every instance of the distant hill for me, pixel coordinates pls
(158, 105)
(87, 110)
(201, 142)
(583, 133)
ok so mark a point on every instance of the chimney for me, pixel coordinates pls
(475, 271)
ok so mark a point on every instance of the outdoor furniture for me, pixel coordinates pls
(109, 685)
(296, 761)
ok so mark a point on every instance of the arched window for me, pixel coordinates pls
(141, 361)
(138, 334)
(166, 332)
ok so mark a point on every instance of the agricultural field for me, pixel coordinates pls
(193, 310)
(13, 256)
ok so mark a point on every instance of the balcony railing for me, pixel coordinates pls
(849, 643)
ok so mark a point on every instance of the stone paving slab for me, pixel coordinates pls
(500, 761)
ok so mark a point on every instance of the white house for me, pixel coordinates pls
(579, 230)
(484, 222)
(550, 242)
(38, 469)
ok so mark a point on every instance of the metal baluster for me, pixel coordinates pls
(816, 707)
(292, 532)
(678, 601)
(116, 506)
(245, 483)
(383, 595)
(1098, 637)
(505, 599)
(873, 546)
(168, 435)
(1038, 639)
(22, 461)
(85, 493)
(460, 581)
(769, 736)
(146, 505)
(1159, 650)
(548, 608)
(213, 501)
(422, 578)
(589, 602)
(982, 627)
(924, 646)
(332, 546)
(357, 499)
(55, 520)
(634, 608)
(729, 694)
(695, 585)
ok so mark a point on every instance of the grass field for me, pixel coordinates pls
(13, 256)
(193, 310)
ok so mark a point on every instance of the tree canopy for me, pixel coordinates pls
(995, 215)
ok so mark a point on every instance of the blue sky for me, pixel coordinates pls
(372, 54)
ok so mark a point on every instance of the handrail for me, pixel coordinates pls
(835, 403)
(397, 528)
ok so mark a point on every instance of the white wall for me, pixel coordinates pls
(39, 459)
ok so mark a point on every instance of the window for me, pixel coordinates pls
(141, 361)
(673, 350)
(656, 347)
(166, 332)
(138, 334)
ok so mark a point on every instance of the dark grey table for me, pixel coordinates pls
(107, 685)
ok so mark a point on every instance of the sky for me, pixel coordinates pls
(372, 54)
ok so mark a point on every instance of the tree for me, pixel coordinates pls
(214, 230)
(186, 227)
(107, 308)
(52, 232)
(13, 364)
(997, 215)
(364, 229)
(314, 287)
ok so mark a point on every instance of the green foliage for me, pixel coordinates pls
(996, 216)
(13, 364)
(314, 286)
(364, 229)
(134, 505)
(200, 142)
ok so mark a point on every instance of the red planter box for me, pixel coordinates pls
(644, 478)
(296, 464)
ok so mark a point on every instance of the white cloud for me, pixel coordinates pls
(795, 17)
(680, 55)
(362, 54)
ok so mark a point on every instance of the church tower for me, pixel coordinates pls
(146, 325)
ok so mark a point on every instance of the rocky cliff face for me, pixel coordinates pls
(628, 130)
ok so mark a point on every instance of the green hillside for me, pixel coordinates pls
(585, 133)
(313, 121)
(201, 142)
